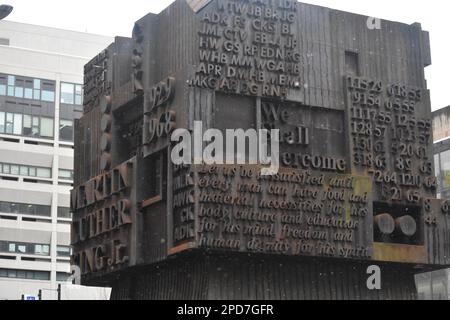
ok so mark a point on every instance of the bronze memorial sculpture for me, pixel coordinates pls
(355, 187)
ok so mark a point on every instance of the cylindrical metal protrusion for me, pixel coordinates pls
(385, 223)
(105, 162)
(406, 225)
(106, 123)
(105, 105)
(105, 142)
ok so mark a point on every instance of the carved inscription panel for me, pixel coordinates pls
(293, 213)
(249, 48)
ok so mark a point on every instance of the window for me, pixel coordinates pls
(65, 174)
(26, 125)
(11, 83)
(64, 213)
(22, 248)
(71, 93)
(48, 96)
(12, 248)
(25, 248)
(15, 169)
(42, 249)
(27, 88)
(25, 171)
(445, 169)
(17, 126)
(63, 251)
(22, 274)
(63, 277)
(67, 93)
(66, 130)
(6, 168)
(28, 93)
(2, 90)
(9, 124)
(26, 209)
(78, 95)
(2, 122)
(43, 173)
(46, 127)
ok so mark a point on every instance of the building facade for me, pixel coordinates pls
(441, 134)
(41, 92)
(356, 184)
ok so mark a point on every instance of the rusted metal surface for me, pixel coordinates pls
(353, 110)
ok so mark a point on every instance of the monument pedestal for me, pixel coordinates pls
(196, 276)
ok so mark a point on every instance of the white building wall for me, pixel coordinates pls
(51, 54)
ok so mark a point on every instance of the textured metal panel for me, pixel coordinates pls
(216, 277)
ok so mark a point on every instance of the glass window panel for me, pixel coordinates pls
(47, 127)
(24, 171)
(17, 124)
(79, 94)
(10, 91)
(445, 169)
(6, 169)
(28, 93)
(12, 247)
(43, 173)
(2, 90)
(2, 122)
(66, 130)
(62, 277)
(15, 169)
(12, 274)
(48, 96)
(65, 174)
(38, 249)
(37, 94)
(41, 275)
(19, 92)
(22, 248)
(9, 123)
(27, 125)
(32, 172)
(67, 93)
(63, 251)
(37, 84)
(79, 100)
(64, 213)
(21, 274)
(11, 80)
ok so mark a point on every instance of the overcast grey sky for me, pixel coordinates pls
(112, 17)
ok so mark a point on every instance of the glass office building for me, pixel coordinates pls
(41, 94)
